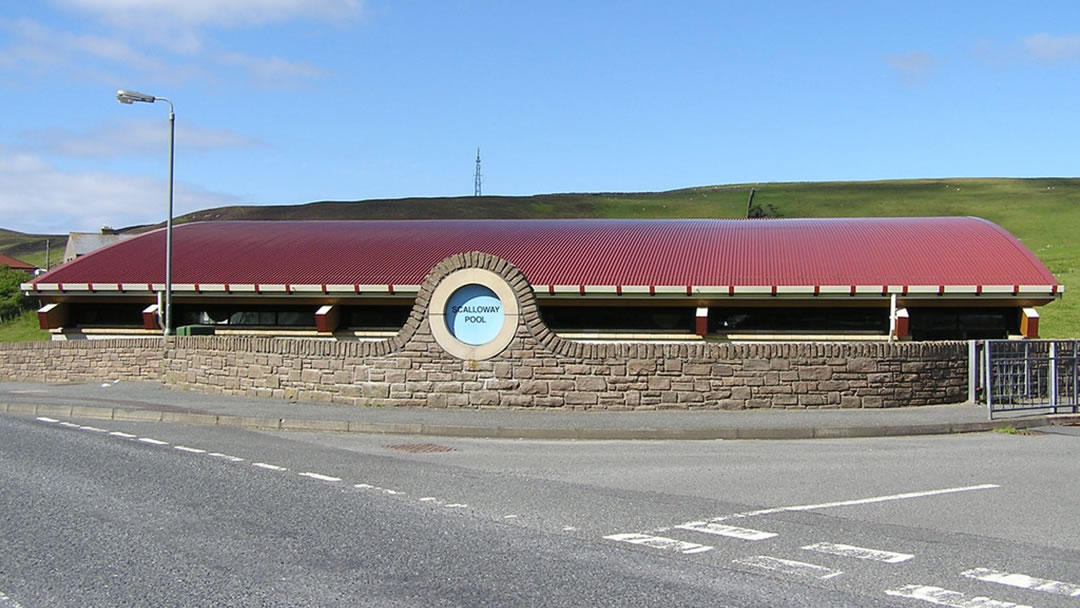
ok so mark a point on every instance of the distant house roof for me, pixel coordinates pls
(941, 255)
(16, 264)
(82, 243)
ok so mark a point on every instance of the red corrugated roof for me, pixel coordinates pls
(14, 264)
(865, 251)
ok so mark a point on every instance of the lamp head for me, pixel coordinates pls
(128, 97)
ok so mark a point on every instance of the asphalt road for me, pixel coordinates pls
(103, 513)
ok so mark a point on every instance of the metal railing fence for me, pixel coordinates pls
(1018, 375)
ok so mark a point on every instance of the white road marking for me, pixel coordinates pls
(153, 441)
(888, 557)
(226, 457)
(788, 566)
(568, 528)
(391, 492)
(7, 602)
(320, 477)
(424, 499)
(723, 530)
(69, 425)
(858, 501)
(93, 429)
(660, 542)
(44, 419)
(1023, 581)
(123, 434)
(456, 505)
(184, 448)
(944, 597)
(272, 467)
(509, 516)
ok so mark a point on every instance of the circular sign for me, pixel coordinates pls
(474, 314)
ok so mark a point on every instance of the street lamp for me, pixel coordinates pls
(129, 97)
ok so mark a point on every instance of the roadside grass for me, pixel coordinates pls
(23, 328)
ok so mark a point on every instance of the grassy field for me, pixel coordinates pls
(1043, 213)
(23, 329)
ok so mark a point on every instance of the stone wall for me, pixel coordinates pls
(82, 360)
(538, 369)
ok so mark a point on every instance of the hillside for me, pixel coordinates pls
(1044, 213)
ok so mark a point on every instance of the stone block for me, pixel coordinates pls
(373, 390)
(580, 398)
(478, 398)
(591, 383)
(639, 367)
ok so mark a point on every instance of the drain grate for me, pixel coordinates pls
(419, 448)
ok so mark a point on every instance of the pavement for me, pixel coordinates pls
(152, 402)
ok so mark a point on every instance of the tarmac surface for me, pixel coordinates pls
(151, 402)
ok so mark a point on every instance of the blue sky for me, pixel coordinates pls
(291, 101)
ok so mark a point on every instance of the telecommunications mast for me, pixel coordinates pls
(477, 180)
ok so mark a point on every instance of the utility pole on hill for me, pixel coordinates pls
(477, 180)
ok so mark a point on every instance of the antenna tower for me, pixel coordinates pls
(478, 179)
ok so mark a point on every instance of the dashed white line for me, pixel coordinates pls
(320, 477)
(945, 597)
(93, 429)
(788, 566)
(660, 542)
(888, 557)
(392, 492)
(226, 457)
(509, 516)
(858, 501)
(424, 499)
(123, 434)
(457, 505)
(71, 425)
(724, 530)
(272, 467)
(1023, 581)
(43, 419)
(184, 448)
(153, 441)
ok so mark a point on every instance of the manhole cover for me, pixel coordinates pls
(419, 448)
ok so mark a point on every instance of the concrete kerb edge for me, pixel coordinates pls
(480, 432)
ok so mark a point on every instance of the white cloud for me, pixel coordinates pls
(37, 197)
(224, 13)
(131, 138)
(1048, 48)
(913, 67)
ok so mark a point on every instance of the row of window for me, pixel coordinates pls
(925, 323)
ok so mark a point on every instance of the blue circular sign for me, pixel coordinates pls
(474, 315)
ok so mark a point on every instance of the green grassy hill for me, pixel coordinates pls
(1043, 213)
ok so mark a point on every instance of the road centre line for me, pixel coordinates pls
(226, 457)
(1023, 581)
(945, 597)
(153, 441)
(44, 419)
(93, 429)
(320, 477)
(660, 542)
(788, 566)
(184, 448)
(729, 531)
(857, 501)
(272, 467)
(888, 557)
(123, 434)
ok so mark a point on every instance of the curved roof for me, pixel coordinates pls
(943, 251)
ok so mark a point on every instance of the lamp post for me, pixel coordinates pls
(129, 97)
